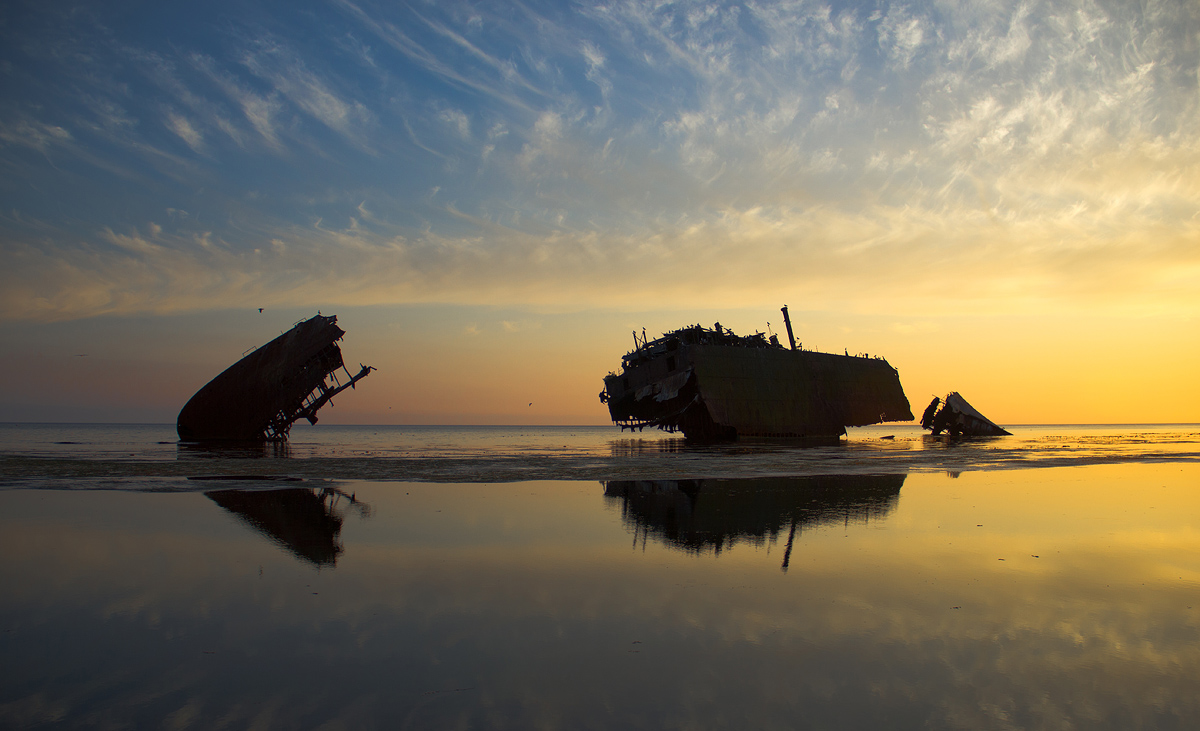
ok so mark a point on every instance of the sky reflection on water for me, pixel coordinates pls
(1014, 599)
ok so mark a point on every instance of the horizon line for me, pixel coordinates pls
(573, 426)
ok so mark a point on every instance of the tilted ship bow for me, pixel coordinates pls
(263, 394)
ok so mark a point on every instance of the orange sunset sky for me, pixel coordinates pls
(1001, 198)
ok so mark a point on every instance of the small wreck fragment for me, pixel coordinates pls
(714, 385)
(258, 398)
(958, 418)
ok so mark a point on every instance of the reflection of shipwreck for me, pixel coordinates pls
(715, 385)
(263, 394)
(954, 416)
(305, 521)
(702, 515)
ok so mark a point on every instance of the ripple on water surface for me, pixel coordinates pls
(58, 455)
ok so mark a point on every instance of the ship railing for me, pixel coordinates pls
(640, 424)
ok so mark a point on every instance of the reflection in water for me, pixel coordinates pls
(698, 515)
(638, 447)
(643, 447)
(520, 605)
(231, 450)
(102, 455)
(304, 520)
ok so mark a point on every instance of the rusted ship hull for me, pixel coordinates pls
(263, 394)
(712, 385)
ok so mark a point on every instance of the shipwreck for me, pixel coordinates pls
(258, 398)
(957, 418)
(714, 385)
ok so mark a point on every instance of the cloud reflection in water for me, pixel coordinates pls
(521, 605)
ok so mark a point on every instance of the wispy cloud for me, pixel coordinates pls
(182, 127)
(395, 37)
(291, 78)
(911, 255)
(1004, 153)
(261, 111)
(32, 134)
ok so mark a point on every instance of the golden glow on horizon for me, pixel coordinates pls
(1001, 198)
(465, 365)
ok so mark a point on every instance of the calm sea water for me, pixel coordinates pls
(578, 578)
(79, 455)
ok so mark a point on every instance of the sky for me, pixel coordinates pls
(1001, 198)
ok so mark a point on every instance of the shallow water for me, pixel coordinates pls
(63, 456)
(885, 592)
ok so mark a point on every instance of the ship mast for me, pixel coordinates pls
(788, 321)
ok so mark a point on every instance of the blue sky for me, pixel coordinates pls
(914, 161)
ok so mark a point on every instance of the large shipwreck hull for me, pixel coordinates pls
(714, 385)
(263, 394)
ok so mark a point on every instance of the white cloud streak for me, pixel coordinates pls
(32, 134)
(395, 37)
(1003, 155)
(291, 78)
(182, 127)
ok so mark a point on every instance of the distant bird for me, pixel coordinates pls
(81, 355)
(260, 310)
(531, 403)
